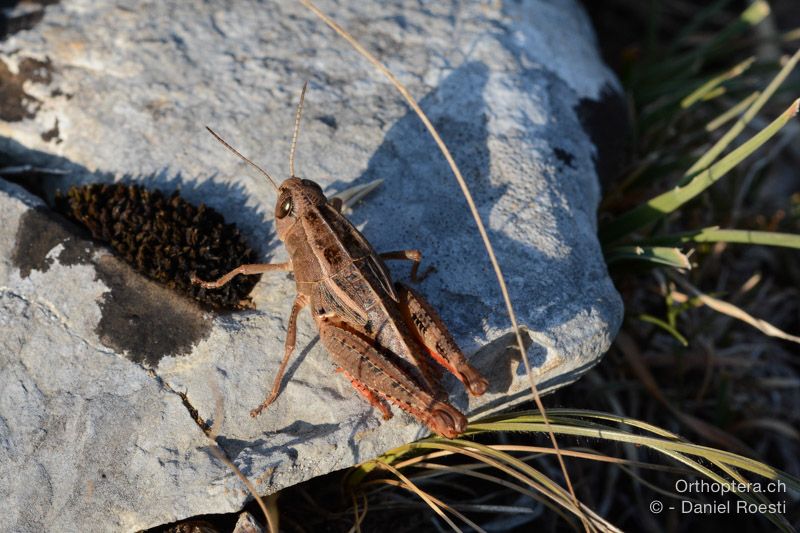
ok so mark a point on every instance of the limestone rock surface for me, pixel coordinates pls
(102, 371)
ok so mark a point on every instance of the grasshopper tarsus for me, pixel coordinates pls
(418, 278)
(257, 411)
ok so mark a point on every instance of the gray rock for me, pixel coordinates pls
(247, 524)
(93, 433)
(89, 440)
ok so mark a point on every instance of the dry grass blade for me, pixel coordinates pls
(270, 509)
(476, 216)
(470, 470)
(427, 498)
(508, 465)
(732, 311)
(355, 194)
(359, 517)
(710, 432)
(438, 502)
(518, 469)
(627, 466)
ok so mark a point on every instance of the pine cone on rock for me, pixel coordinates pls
(165, 238)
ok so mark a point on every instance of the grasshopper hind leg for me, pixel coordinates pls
(431, 332)
(373, 373)
(371, 397)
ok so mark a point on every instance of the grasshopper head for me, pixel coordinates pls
(295, 198)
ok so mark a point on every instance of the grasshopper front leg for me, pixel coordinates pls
(373, 372)
(245, 270)
(291, 337)
(425, 322)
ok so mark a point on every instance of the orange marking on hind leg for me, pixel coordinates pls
(431, 333)
(371, 397)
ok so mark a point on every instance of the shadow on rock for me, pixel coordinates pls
(133, 303)
(420, 195)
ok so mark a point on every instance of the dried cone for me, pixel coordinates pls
(165, 238)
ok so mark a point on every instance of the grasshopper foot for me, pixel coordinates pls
(194, 280)
(203, 283)
(446, 420)
(257, 411)
(415, 256)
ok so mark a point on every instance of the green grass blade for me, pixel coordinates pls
(778, 520)
(533, 416)
(665, 326)
(683, 66)
(654, 443)
(737, 236)
(594, 424)
(705, 91)
(669, 201)
(739, 126)
(733, 112)
(656, 255)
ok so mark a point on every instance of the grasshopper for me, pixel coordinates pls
(381, 335)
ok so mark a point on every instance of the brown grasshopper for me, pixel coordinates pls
(381, 335)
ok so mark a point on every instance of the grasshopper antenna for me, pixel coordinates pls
(296, 129)
(235, 151)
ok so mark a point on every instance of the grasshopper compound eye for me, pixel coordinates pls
(284, 208)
